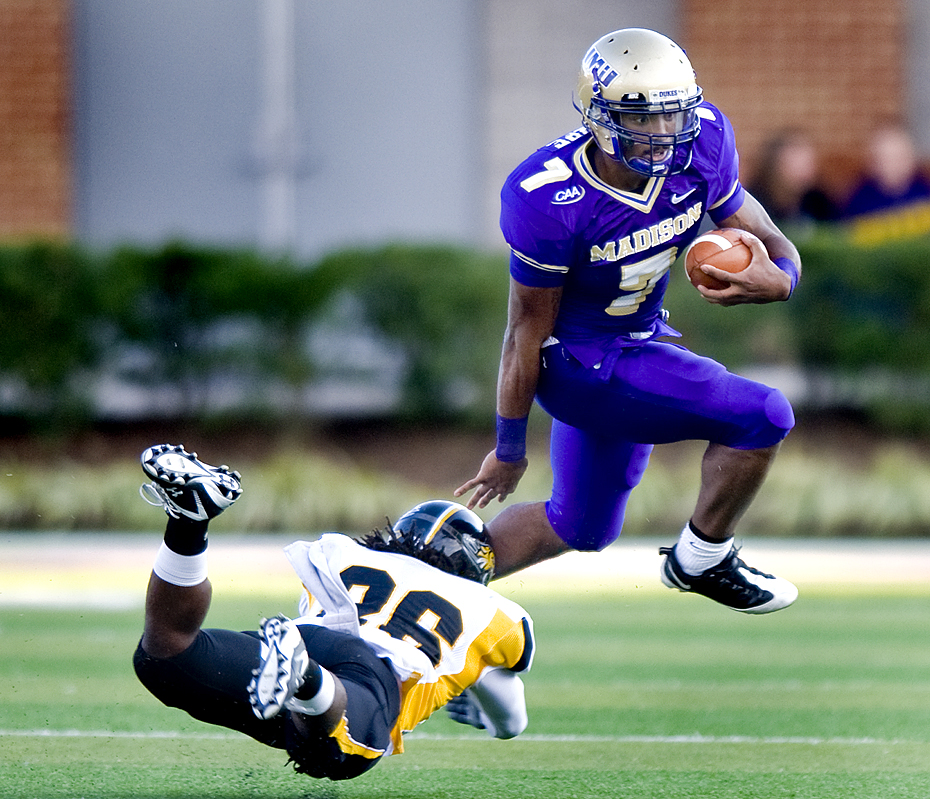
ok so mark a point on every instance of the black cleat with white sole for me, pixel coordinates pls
(186, 486)
(731, 582)
(284, 660)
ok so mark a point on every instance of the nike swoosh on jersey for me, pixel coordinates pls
(677, 198)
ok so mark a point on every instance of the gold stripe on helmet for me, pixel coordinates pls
(437, 525)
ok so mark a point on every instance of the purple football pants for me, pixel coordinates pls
(606, 421)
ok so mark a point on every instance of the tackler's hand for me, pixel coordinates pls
(465, 710)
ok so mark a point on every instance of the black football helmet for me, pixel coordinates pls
(455, 531)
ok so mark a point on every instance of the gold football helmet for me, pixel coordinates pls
(637, 95)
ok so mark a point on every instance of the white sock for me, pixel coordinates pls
(695, 555)
(320, 702)
(182, 570)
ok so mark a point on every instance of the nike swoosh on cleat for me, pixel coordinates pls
(670, 573)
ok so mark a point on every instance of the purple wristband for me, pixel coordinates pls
(789, 268)
(511, 439)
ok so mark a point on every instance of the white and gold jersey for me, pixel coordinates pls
(440, 632)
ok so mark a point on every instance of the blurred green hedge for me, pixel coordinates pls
(855, 335)
(182, 315)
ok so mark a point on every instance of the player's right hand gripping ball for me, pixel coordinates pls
(721, 248)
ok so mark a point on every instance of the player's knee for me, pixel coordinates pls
(156, 674)
(166, 644)
(779, 412)
(768, 424)
(588, 533)
(777, 419)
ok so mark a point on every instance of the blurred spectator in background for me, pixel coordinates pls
(786, 183)
(891, 201)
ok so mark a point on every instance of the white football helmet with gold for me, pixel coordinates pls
(637, 94)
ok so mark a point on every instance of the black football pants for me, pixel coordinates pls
(210, 679)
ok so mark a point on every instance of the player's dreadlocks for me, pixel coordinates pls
(386, 539)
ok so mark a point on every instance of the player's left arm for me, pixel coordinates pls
(763, 280)
(496, 703)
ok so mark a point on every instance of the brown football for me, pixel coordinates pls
(721, 248)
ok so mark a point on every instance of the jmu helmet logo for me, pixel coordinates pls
(601, 71)
(567, 196)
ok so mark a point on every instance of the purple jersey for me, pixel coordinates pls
(611, 250)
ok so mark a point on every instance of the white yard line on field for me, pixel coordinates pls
(421, 736)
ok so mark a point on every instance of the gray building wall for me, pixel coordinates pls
(918, 67)
(534, 50)
(389, 120)
(172, 111)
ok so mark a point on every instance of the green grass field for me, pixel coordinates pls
(634, 693)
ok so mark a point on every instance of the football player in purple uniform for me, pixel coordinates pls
(594, 220)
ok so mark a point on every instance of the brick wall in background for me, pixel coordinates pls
(35, 172)
(830, 67)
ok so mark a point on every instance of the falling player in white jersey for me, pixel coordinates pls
(392, 627)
